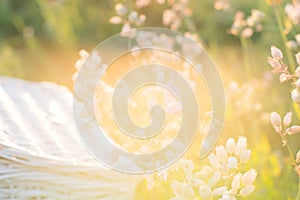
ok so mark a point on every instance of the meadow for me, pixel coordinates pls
(255, 45)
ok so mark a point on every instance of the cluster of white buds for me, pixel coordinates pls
(128, 19)
(294, 44)
(245, 27)
(279, 67)
(173, 17)
(221, 179)
(293, 11)
(144, 3)
(222, 5)
(282, 127)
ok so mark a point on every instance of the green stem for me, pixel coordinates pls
(245, 48)
(291, 153)
(294, 164)
(291, 61)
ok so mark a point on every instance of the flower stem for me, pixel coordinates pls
(291, 153)
(245, 48)
(290, 58)
(294, 164)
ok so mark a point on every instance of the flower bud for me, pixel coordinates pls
(293, 130)
(221, 154)
(297, 84)
(249, 177)
(115, 20)
(204, 173)
(247, 190)
(141, 20)
(133, 16)
(257, 14)
(219, 191)
(287, 119)
(120, 9)
(298, 38)
(215, 178)
(283, 77)
(298, 58)
(276, 53)
(296, 96)
(232, 162)
(214, 161)
(275, 119)
(245, 156)
(230, 145)
(297, 71)
(241, 145)
(236, 181)
(205, 192)
(247, 32)
(292, 45)
(274, 63)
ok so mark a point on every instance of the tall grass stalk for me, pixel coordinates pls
(291, 61)
(294, 164)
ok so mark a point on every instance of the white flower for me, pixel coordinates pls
(224, 168)
(205, 192)
(221, 153)
(227, 196)
(293, 130)
(298, 38)
(182, 189)
(247, 190)
(276, 53)
(140, 20)
(287, 119)
(247, 32)
(236, 181)
(205, 172)
(274, 63)
(120, 9)
(296, 96)
(215, 178)
(241, 145)
(257, 14)
(275, 119)
(293, 12)
(214, 161)
(245, 156)
(133, 16)
(142, 3)
(219, 191)
(249, 177)
(230, 145)
(187, 166)
(115, 20)
(232, 162)
(292, 45)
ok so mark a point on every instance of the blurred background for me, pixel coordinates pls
(40, 41)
